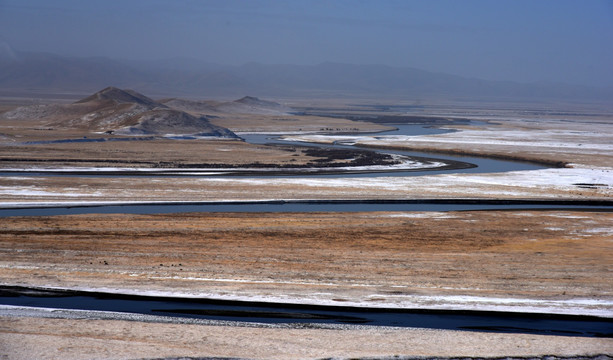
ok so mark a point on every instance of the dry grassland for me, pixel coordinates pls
(148, 154)
(364, 257)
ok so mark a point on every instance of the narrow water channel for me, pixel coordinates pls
(271, 313)
(483, 164)
(312, 206)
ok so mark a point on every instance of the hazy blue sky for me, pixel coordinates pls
(522, 40)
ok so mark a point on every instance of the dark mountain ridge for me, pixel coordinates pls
(119, 96)
(245, 105)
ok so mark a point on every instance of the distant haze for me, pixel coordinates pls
(564, 41)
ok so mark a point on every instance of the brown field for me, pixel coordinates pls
(347, 256)
(148, 154)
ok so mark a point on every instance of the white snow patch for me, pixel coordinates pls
(36, 192)
(427, 215)
(551, 140)
(567, 216)
(544, 178)
(600, 231)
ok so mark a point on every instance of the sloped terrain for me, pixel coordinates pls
(117, 96)
(253, 105)
(113, 110)
(191, 106)
(174, 122)
(246, 105)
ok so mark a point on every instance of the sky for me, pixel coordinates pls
(568, 41)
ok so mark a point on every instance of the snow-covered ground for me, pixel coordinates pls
(562, 138)
(552, 139)
(555, 178)
(566, 183)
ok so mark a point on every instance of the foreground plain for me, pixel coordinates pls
(41, 338)
(405, 259)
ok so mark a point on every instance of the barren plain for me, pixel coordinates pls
(556, 261)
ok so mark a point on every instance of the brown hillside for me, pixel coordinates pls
(124, 112)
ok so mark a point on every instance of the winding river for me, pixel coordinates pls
(459, 164)
(284, 313)
(483, 165)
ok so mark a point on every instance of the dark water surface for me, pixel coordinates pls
(315, 206)
(544, 324)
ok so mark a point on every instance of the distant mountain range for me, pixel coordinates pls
(245, 105)
(37, 72)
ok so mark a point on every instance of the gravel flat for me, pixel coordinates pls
(42, 334)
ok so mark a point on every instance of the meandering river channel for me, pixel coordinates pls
(483, 165)
(284, 313)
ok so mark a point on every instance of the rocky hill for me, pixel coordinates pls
(253, 105)
(119, 111)
(118, 96)
(192, 106)
(173, 122)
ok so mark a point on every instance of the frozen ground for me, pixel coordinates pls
(552, 184)
(554, 140)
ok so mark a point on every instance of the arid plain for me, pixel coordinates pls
(554, 261)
